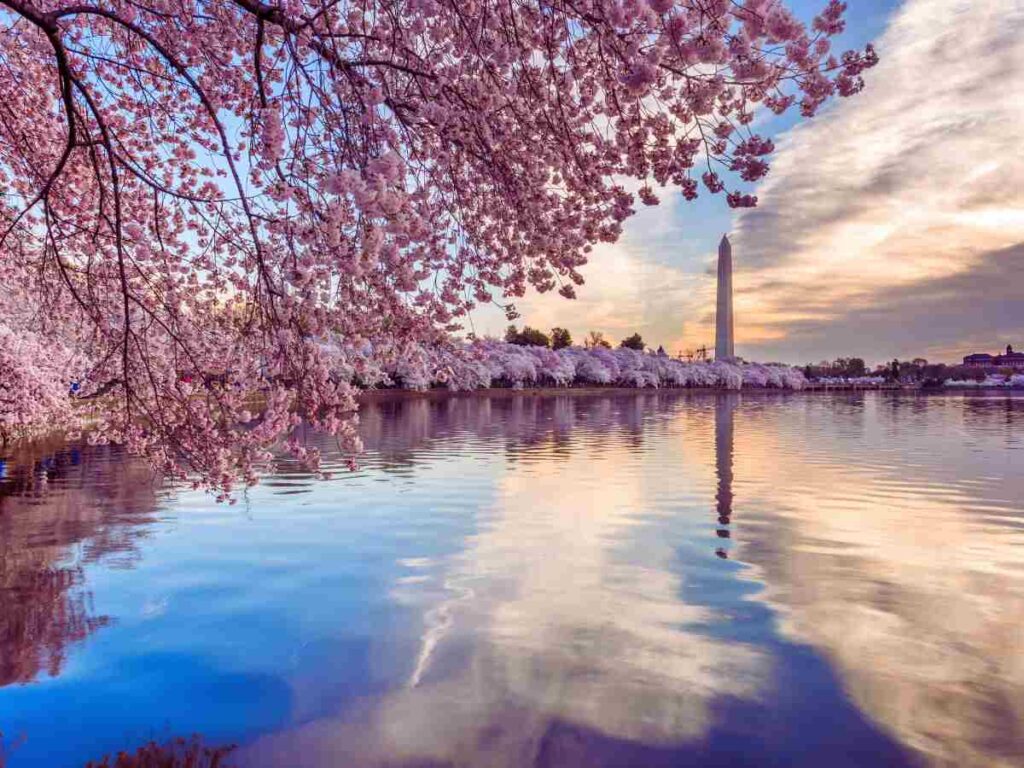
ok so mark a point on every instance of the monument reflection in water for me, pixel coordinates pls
(641, 579)
(725, 405)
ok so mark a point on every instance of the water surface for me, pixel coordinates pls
(623, 579)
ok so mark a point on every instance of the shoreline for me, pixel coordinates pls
(382, 395)
(386, 395)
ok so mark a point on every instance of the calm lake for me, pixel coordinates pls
(648, 579)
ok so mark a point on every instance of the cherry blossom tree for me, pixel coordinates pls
(34, 387)
(195, 195)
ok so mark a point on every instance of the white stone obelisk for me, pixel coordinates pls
(724, 349)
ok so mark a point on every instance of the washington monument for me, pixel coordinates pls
(724, 349)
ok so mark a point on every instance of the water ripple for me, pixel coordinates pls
(644, 578)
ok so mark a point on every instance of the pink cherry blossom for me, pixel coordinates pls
(209, 210)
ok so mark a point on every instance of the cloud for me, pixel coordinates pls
(880, 213)
(978, 309)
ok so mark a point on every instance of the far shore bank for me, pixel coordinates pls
(388, 395)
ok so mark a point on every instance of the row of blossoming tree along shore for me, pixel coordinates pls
(490, 363)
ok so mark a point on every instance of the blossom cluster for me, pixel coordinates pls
(34, 384)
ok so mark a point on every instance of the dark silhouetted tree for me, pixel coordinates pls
(633, 342)
(528, 337)
(560, 338)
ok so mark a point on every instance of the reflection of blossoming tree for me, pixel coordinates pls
(393, 430)
(195, 192)
(43, 613)
(179, 753)
(44, 607)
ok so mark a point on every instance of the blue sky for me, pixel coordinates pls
(889, 225)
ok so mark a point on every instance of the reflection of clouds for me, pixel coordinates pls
(154, 607)
(915, 180)
(607, 630)
(886, 532)
(438, 619)
(910, 587)
(558, 612)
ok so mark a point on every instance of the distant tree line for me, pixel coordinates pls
(928, 374)
(841, 367)
(530, 337)
(559, 338)
(916, 371)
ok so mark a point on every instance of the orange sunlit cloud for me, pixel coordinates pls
(881, 221)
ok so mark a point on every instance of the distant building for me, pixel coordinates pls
(1009, 359)
(979, 360)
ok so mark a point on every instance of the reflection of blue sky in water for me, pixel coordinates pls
(521, 580)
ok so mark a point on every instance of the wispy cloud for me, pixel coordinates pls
(899, 204)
